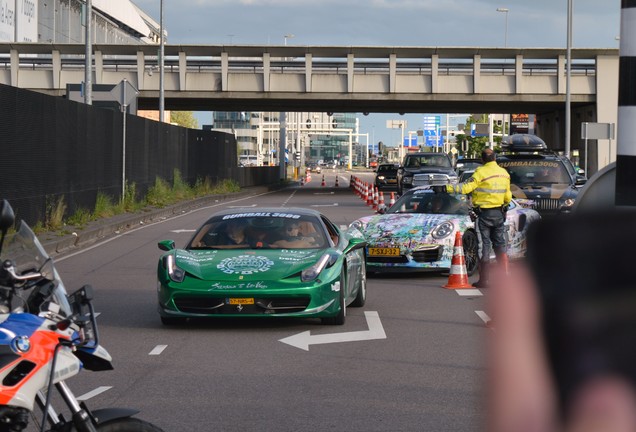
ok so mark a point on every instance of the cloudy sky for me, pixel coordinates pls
(536, 23)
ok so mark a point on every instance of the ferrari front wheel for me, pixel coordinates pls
(361, 297)
(340, 317)
(470, 245)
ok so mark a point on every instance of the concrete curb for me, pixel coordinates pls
(96, 231)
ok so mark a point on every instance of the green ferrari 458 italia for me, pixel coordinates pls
(275, 262)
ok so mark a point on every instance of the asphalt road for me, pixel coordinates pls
(427, 374)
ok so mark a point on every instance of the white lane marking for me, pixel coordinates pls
(245, 206)
(484, 317)
(290, 197)
(179, 231)
(93, 393)
(325, 205)
(304, 339)
(158, 350)
(324, 193)
(468, 292)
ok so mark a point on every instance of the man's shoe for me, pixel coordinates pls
(481, 284)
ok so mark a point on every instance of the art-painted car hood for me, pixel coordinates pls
(406, 229)
(230, 265)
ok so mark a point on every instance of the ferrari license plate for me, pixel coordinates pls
(375, 251)
(240, 301)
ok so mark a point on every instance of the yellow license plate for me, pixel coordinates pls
(384, 251)
(240, 301)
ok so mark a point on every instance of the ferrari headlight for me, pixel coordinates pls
(443, 230)
(176, 274)
(407, 180)
(311, 273)
(357, 225)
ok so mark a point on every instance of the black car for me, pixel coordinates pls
(424, 169)
(539, 175)
(386, 176)
(466, 164)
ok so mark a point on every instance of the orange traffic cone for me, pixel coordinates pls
(458, 277)
(369, 195)
(381, 201)
(323, 181)
(392, 201)
(375, 198)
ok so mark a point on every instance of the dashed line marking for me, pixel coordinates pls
(93, 393)
(158, 350)
(469, 292)
(483, 315)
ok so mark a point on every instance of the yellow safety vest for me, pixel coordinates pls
(490, 186)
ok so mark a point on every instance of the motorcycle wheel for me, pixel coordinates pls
(129, 424)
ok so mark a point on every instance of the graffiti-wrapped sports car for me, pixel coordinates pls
(418, 232)
(266, 263)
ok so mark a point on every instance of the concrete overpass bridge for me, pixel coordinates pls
(343, 79)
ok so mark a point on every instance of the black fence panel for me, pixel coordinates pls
(54, 149)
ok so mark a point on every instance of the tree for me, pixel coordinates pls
(184, 118)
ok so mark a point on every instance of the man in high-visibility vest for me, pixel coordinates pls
(490, 189)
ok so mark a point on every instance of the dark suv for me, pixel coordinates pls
(422, 169)
(543, 177)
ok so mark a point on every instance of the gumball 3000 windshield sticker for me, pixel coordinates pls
(245, 265)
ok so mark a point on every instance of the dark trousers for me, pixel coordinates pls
(492, 230)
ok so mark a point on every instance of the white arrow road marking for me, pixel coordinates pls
(253, 205)
(325, 205)
(304, 339)
(179, 231)
(468, 292)
(158, 350)
(93, 393)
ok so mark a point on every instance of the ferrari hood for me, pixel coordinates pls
(257, 265)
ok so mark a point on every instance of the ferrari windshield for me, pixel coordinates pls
(260, 231)
(427, 202)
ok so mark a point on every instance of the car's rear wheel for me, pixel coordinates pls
(470, 245)
(340, 318)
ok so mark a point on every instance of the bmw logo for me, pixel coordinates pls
(21, 344)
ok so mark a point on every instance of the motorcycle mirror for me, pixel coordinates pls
(7, 217)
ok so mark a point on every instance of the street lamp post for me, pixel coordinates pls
(88, 57)
(288, 36)
(505, 10)
(161, 51)
(568, 118)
